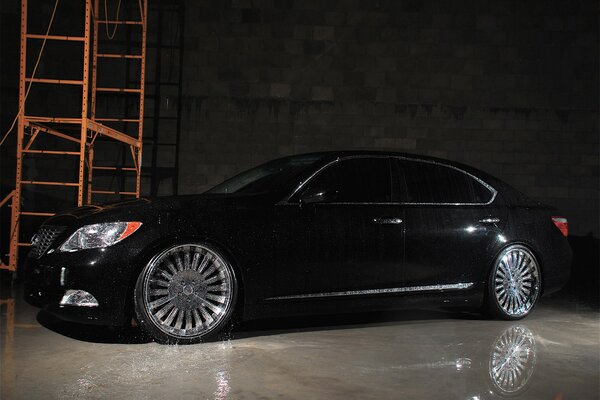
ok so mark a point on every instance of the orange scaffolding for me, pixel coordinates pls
(85, 130)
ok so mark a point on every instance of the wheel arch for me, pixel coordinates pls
(162, 244)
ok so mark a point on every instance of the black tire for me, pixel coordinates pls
(189, 284)
(514, 284)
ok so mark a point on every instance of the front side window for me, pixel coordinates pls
(355, 180)
(267, 176)
(424, 182)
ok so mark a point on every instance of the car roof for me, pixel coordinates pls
(411, 156)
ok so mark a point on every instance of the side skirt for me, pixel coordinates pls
(427, 288)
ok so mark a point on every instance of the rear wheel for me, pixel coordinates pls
(185, 294)
(515, 283)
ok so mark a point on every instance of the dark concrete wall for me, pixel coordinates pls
(510, 87)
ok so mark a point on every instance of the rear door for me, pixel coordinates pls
(451, 224)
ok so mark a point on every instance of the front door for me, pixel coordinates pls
(345, 241)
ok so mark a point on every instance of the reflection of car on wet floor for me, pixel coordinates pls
(512, 360)
(316, 233)
(501, 365)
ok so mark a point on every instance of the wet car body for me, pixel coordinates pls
(292, 257)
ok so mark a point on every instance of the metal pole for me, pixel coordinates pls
(138, 173)
(16, 200)
(93, 99)
(84, 103)
(95, 59)
(154, 181)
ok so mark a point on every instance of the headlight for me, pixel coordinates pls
(99, 235)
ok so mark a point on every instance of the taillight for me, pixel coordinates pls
(562, 224)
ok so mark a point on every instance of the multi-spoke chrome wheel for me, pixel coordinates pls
(186, 292)
(512, 360)
(515, 282)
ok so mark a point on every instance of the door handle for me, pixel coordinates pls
(490, 220)
(387, 221)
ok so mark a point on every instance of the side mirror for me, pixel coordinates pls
(317, 195)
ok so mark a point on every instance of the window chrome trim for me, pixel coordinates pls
(489, 187)
(410, 289)
(493, 191)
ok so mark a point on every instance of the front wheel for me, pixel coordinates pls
(185, 294)
(515, 283)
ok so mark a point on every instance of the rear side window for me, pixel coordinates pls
(356, 180)
(424, 182)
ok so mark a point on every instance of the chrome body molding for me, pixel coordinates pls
(427, 288)
(387, 221)
(489, 220)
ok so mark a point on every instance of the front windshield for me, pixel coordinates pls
(267, 176)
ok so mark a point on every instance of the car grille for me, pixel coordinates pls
(43, 239)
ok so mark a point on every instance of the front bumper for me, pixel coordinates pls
(107, 274)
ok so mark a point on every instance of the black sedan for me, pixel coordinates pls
(331, 232)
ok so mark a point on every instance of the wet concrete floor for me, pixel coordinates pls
(553, 354)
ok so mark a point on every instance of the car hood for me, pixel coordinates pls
(144, 209)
